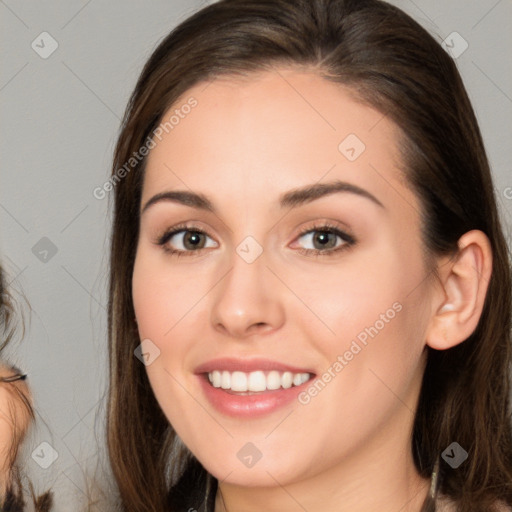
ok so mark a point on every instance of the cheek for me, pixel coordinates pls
(159, 298)
(373, 316)
(160, 308)
(169, 312)
(353, 296)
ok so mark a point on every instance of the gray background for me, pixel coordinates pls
(60, 118)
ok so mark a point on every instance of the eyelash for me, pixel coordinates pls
(349, 241)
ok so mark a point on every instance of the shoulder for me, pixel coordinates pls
(501, 506)
(446, 504)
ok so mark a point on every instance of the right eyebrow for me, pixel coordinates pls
(192, 199)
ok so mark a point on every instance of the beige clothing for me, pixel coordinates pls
(445, 504)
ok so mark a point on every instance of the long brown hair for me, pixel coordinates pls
(389, 62)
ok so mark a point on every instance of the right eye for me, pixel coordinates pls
(188, 239)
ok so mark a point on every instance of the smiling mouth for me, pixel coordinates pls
(247, 383)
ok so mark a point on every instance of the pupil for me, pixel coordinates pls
(193, 235)
(323, 238)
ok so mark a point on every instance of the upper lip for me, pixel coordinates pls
(232, 364)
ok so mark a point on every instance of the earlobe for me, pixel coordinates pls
(464, 279)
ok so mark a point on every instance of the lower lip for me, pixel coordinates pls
(249, 406)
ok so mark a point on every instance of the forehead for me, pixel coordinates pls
(276, 129)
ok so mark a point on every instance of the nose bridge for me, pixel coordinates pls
(244, 298)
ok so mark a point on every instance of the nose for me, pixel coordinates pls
(247, 300)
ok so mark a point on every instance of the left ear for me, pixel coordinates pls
(464, 278)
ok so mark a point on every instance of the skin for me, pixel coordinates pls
(13, 412)
(244, 144)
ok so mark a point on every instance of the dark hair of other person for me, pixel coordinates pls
(17, 410)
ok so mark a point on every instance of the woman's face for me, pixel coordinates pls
(249, 301)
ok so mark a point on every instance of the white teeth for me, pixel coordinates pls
(273, 380)
(286, 380)
(256, 381)
(238, 381)
(225, 382)
(216, 377)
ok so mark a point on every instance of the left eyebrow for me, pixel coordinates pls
(303, 195)
(291, 199)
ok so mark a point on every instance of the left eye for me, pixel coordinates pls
(325, 239)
